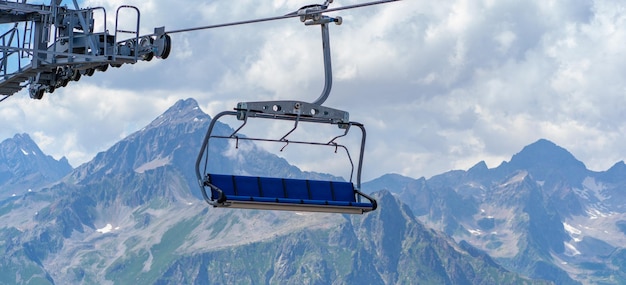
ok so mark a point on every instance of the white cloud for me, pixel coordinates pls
(439, 84)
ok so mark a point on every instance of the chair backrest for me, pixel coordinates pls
(268, 187)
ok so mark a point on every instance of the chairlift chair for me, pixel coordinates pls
(270, 193)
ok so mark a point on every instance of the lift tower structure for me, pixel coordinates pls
(44, 47)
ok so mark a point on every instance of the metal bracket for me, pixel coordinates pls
(291, 109)
(312, 15)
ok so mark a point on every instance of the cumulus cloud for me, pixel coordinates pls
(440, 85)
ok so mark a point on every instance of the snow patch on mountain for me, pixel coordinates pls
(597, 211)
(107, 229)
(570, 250)
(475, 232)
(572, 230)
(592, 190)
(153, 164)
(518, 178)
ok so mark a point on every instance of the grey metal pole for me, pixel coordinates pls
(328, 71)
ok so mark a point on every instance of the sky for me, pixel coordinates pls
(439, 85)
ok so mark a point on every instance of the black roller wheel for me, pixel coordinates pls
(148, 57)
(103, 67)
(90, 71)
(38, 94)
(146, 44)
(167, 46)
(76, 76)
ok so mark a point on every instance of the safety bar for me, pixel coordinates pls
(136, 32)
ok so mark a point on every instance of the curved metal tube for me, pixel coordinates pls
(204, 148)
(328, 72)
(360, 167)
(361, 154)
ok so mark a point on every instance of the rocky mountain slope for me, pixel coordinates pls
(24, 166)
(543, 213)
(132, 215)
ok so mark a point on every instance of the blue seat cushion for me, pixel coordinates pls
(247, 186)
(224, 182)
(320, 190)
(362, 204)
(296, 189)
(291, 201)
(291, 191)
(344, 191)
(241, 198)
(272, 187)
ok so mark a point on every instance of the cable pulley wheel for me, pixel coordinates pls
(164, 46)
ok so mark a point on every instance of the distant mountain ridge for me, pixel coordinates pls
(24, 166)
(543, 213)
(132, 215)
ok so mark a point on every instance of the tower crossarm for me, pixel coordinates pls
(14, 11)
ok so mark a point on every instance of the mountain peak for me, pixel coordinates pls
(186, 104)
(24, 136)
(544, 158)
(19, 145)
(23, 165)
(22, 140)
(392, 182)
(182, 111)
(479, 169)
(546, 152)
(620, 165)
(156, 145)
(615, 173)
